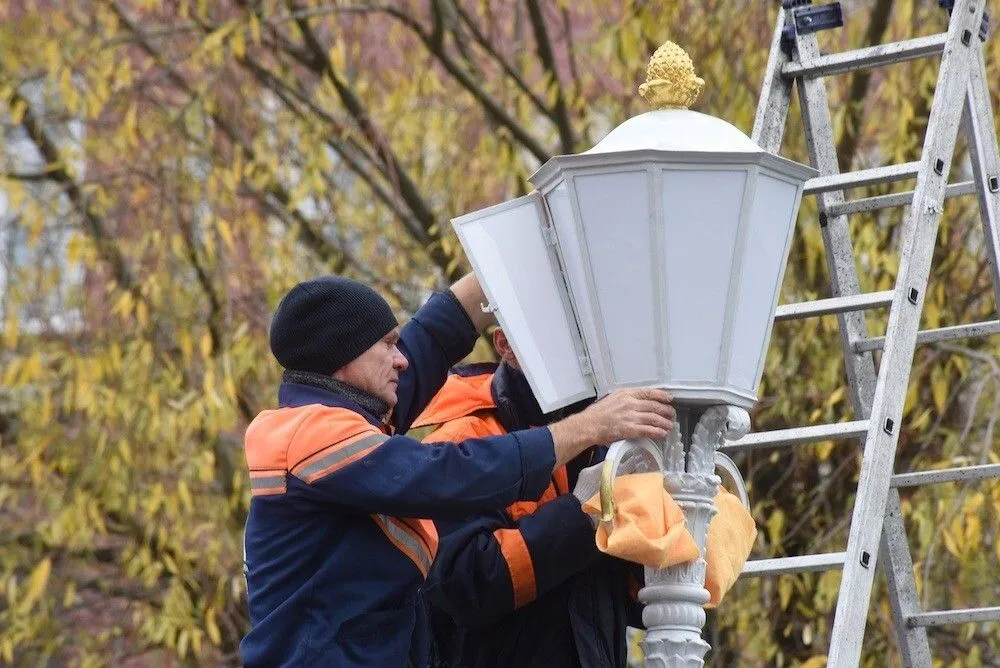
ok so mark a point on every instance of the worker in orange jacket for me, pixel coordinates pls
(523, 586)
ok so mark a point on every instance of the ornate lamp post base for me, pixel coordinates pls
(674, 618)
(674, 597)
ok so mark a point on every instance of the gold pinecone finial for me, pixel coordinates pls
(670, 79)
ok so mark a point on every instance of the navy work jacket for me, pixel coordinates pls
(335, 555)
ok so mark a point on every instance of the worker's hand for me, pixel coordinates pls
(622, 415)
(588, 483)
(628, 414)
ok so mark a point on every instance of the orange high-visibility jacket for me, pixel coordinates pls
(524, 586)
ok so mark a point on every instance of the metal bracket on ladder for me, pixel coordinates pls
(807, 18)
(961, 93)
(984, 26)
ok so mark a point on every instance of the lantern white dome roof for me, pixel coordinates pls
(676, 130)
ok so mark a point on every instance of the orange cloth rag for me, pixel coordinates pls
(649, 528)
(731, 534)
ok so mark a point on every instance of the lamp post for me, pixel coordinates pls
(655, 258)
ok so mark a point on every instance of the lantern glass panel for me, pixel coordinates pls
(510, 256)
(701, 213)
(577, 274)
(769, 232)
(616, 220)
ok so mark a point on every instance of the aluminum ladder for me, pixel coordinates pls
(878, 396)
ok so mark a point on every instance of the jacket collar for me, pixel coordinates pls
(516, 404)
(293, 395)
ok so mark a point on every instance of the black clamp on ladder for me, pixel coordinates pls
(807, 18)
(984, 26)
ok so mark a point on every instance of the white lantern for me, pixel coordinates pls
(653, 259)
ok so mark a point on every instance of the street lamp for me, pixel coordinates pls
(655, 258)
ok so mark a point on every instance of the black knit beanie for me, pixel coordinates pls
(323, 324)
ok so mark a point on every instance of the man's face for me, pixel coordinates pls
(377, 370)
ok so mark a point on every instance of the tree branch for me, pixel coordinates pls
(493, 108)
(544, 47)
(214, 320)
(393, 170)
(575, 76)
(504, 64)
(107, 247)
(346, 153)
(312, 238)
(30, 177)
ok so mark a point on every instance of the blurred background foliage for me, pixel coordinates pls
(168, 168)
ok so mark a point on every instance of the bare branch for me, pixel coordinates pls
(346, 151)
(193, 26)
(575, 74)
(393, 170)
(504, 64)
(308, 235)
(491, 105)
(30, 177)
(107, 247)
(544, 47)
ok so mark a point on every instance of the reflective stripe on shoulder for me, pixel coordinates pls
(330, 439)
(266, 483)
(337, 456)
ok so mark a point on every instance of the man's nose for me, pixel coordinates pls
(400, 362)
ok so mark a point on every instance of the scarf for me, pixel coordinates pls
(369, 402)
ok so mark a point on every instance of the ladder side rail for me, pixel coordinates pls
(835, 229)
(860, 365)
(919, 237)
(914, 647)
(776, 93)
(978, 124)
(983, 154)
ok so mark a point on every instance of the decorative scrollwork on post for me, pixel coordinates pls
(673, 451)
(716, 425)
(674, 596)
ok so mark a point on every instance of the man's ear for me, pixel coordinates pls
(502, 346)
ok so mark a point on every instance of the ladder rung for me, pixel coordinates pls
(833, 305)
(862, 177)
(873, 56)
(895, 199)
(797, 435)
(805, 564)
(985, 328)
(942, 617)
(964, 473)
